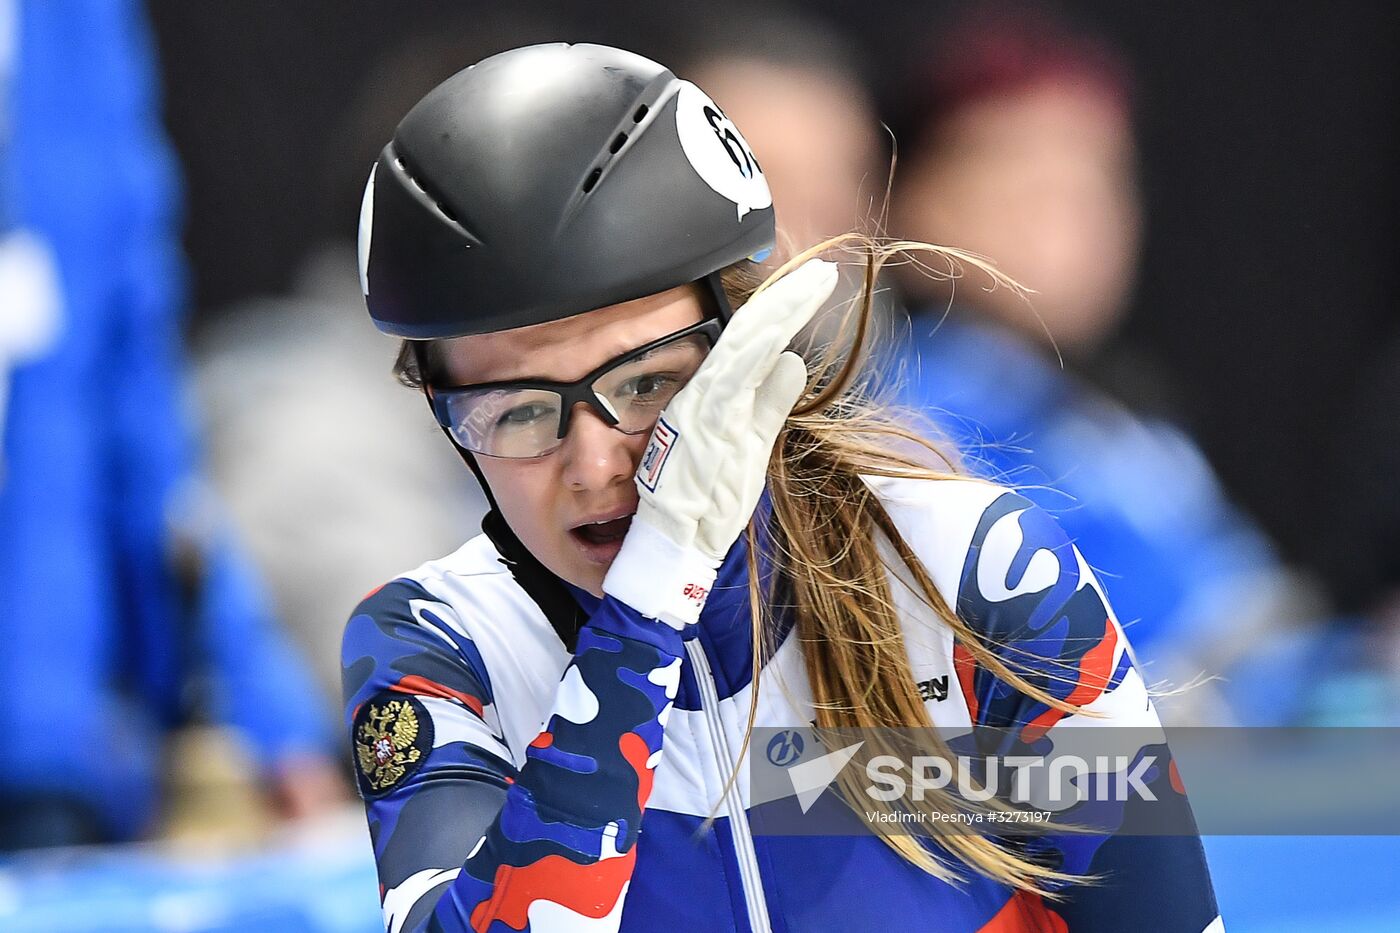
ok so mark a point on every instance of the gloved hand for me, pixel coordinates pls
(703, 471)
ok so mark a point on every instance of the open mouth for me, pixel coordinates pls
(607, 532)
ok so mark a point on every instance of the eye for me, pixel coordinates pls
(523, 415)
(648, 385)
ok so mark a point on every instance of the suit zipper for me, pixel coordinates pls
(747, 858)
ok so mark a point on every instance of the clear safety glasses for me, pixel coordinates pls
(527, 418)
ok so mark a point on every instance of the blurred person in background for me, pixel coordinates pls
(335, 480)
(799, 85)
(796, 80)
(128, 612)
(1017, 144)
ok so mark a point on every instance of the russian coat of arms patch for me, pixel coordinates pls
(393, 735)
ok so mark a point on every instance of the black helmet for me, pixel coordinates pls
(548, 181)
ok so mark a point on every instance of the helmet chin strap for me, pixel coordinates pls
(547, 591)
(714, 287)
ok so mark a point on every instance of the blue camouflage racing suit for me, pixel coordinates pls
(516, 781)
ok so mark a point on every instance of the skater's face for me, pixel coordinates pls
(571, 506)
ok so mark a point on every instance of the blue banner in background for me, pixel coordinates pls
(1274, 884)
(9, 44)
(319, 881)
(1306, 884)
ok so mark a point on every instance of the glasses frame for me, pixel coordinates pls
(570, 393)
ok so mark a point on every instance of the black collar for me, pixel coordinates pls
(548, 592)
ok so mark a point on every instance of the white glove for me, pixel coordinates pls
(703, 471)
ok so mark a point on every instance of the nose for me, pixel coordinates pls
(595, 455)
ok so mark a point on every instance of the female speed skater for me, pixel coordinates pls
(698, 537)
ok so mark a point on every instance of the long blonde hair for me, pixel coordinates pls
(827, 532)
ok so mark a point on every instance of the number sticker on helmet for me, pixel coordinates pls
(718, 151)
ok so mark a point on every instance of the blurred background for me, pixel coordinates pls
(206, 461)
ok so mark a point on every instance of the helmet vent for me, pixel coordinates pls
(592, 180)
(441, 208)
(640, 114)
(618, 142)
